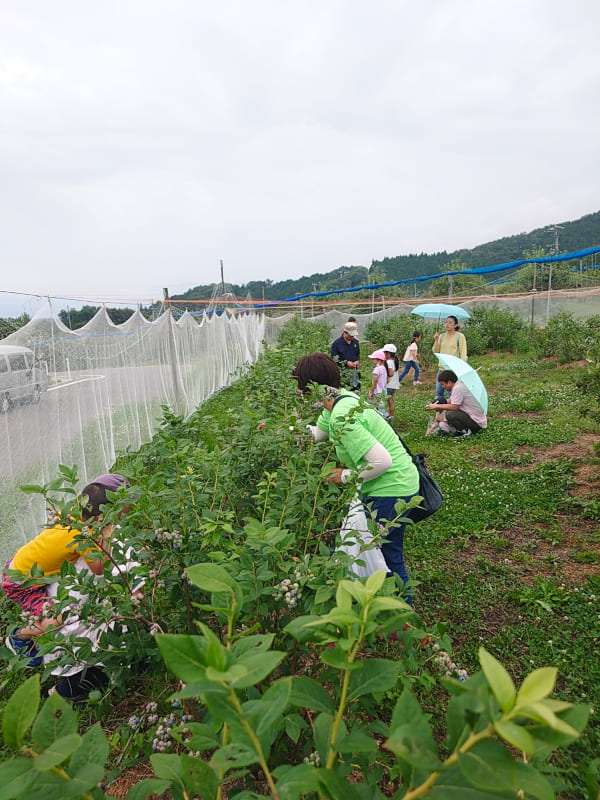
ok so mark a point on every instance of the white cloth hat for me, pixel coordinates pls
(390, 348)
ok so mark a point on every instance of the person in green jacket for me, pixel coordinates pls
(369, 451)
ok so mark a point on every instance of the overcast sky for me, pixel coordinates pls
(142, 142)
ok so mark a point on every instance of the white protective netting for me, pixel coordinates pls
(97, 391)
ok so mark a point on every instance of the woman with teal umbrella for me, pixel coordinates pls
(452, 343)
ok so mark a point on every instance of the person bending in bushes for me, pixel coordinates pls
(47, 552)
(369, 450)
(463, 413)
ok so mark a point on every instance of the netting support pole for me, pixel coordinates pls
(172, 355)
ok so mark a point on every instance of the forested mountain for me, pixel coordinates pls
(575, 235)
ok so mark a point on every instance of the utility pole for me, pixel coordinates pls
(222, 278)
(554, 229)
(172, 352)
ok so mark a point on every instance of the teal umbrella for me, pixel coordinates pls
(439, 310)
(467, 375)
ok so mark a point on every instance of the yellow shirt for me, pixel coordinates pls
(50, 549)
(448, 345)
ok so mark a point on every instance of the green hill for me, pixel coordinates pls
(574, 235)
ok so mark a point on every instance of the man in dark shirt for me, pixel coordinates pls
(346, 352)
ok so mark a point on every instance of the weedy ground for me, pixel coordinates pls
(513, 558)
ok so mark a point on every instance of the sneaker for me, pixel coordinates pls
(458, 434)
(416, 383)
(23, 647)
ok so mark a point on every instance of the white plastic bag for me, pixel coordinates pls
(356, 538)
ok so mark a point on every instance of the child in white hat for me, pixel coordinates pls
(393, 384)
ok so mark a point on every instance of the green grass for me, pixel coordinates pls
(512, 559)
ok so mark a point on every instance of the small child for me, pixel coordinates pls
(393, 383)
(49, 550)
(411, 359)
(380, 375)
(435, 424)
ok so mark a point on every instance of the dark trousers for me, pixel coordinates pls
(393, 546)
(462, 421)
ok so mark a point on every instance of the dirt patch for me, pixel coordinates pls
(582, 448)
(573, 364)
(571, 551)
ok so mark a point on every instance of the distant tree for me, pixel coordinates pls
(9, 325)
(75, 319)
(537, 276)
(461, 284)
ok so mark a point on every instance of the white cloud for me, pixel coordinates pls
(142, 142)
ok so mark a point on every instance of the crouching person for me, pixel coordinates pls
(47, 552)
(463, 413)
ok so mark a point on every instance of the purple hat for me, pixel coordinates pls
(111, 481)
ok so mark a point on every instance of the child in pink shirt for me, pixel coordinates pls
(380, 374)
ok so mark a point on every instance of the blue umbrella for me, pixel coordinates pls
(467, 375)
(439, 310)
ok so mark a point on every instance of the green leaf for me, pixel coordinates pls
(389, 604)
(375, 675)
(211, 578)
(536, 686)
(147, 787)
(20, 712)
(338, 659)
(323, 594)
(343, 598)
(228, 676)
(55, 720)
(591, 778)
(183, 654)
(199, 779)
(294, 725)
(300, 629)
(358, 591)
(233, 756)
(87, 764)
(516, 735)
(336, 784)
(221, 708)
(489, 765)
(309, 693)
(296, 781)
(499, 680)
(273, 704)
(322, 735)
(16, 778)
(539, 712)
(357, 741)
(411, 738)
(257, 642)
(203, 737)
(257, 666)
(48, 785)
(216, 653)
(56, 753)
(201, 687)
(339, 617)
(167, 766)
(375, 581)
